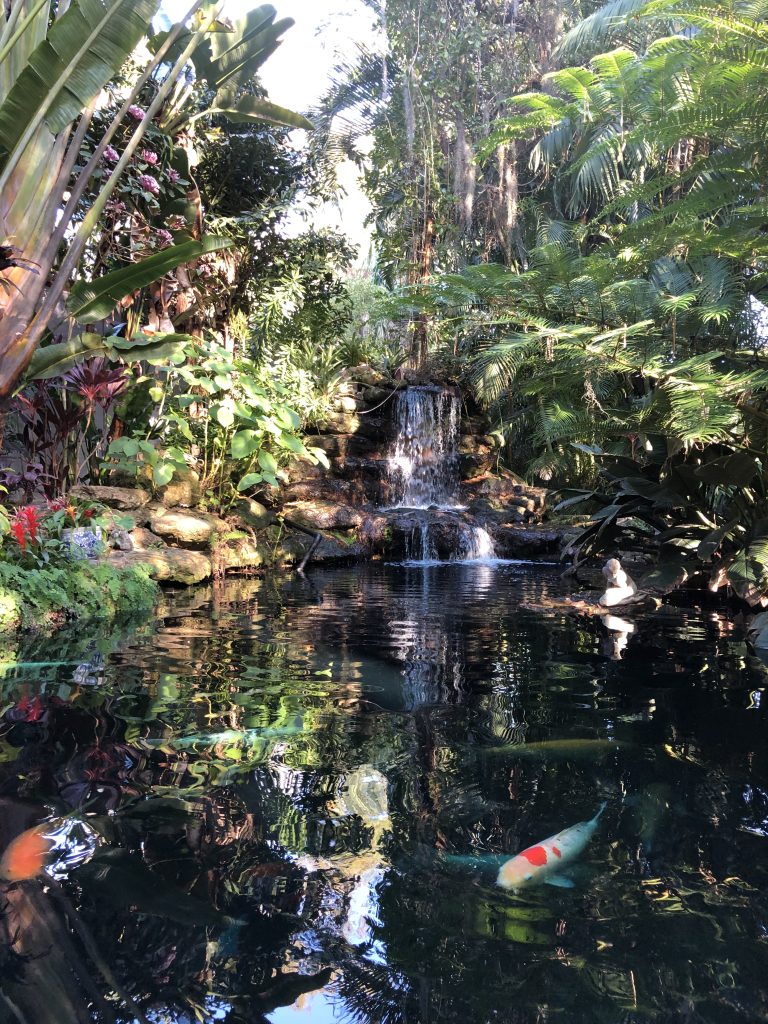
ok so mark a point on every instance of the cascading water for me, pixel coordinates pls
(477, 545)
(424, 464)
(424, 472)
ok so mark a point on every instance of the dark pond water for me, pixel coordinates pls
(290, 786)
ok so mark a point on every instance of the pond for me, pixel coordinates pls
(296, 793)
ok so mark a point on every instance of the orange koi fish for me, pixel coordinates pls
(26, 856)
(542, 862)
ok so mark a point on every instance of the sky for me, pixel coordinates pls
(297, 74)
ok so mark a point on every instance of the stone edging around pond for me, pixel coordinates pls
(186, 546)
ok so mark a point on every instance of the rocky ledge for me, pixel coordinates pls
(186, 546)
(339, 512)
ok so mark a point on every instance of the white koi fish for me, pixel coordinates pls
(543, 861)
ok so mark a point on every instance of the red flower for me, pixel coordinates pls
(17, 529)
(88, 513)
(26, 524)
(30, 520)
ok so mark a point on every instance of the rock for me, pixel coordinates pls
(145, 540)
(299, 469)
(335, 549)
(375, 396)
(120, 539)
(194, 529)
(531, 541)
(474, 457)
(347, 492)
(252, 513)
(504, 490)
(294, 547)
(183, 491)
(365, 374)
(477, 424)
(343, 446)
(169, 565)
(122, 498)
(404, 532)
(346, 404)
(324, 515)
(376, 428)
(241, 553)
(340, 423)
(469, 445)
(369, 477)
(493, 441)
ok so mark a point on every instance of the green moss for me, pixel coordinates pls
(42, 598)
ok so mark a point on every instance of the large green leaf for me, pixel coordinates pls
(54, 360)
(736, 470)
(95, 300)
(250, 109)
(233, 58)
(83, 50)
(748, 572)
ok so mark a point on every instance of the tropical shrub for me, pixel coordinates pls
(700, 512)
(220, 415)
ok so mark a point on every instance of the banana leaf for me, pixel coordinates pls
(94, 300)
(54, 360)
(233, 58)
(250, 109)
(83, 50)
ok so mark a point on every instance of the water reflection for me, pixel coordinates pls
(276, 776)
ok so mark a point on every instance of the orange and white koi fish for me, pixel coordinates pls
(543, 862)
(26, 856)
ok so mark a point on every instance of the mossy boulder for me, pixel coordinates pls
(252, 514)
(125, 499)
(191, 529)
(167, 565)
(184, 490)
(145, 540)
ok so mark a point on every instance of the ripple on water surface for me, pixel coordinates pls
(289, 798)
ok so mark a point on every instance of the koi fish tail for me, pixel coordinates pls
(602, 807)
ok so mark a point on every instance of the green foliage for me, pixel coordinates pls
(35, 598)
(65, 185)
(69, 67)
(704, 512)
(372, 335)
(631, 327)
(95, 300)
(234, 414)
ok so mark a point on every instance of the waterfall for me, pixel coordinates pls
(424, 465)
(477, 545)
(423, 470)
(420, 546)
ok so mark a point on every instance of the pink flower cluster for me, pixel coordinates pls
(136, 113)
(148, 156)
(111, 155)
(149, 184)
